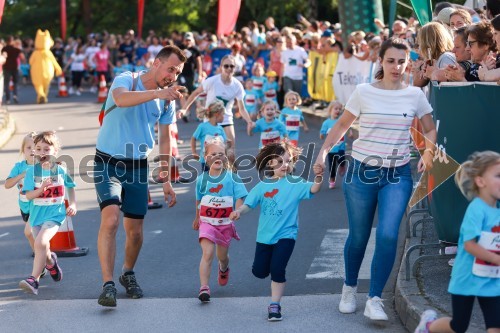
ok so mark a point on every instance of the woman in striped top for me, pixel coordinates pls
(379, 173)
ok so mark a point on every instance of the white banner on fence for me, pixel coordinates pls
(348, 74)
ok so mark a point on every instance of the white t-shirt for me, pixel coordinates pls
(77, 65)
(385, 117)
(292, 59)
(216, 89)
(153, 50)
(89, 55)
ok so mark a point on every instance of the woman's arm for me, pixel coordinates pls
(337, 132)
(430, 136)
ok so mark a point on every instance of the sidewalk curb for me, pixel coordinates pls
(7, 127)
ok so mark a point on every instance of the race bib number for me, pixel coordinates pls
(53, 195)
(292, 122)
(258, 84)
(269, 137)
(270, 94)
(250, 100)
(491, 242)
(216, 210)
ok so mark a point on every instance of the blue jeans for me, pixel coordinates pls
(365, 187)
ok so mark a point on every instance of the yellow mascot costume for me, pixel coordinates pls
(43, 64)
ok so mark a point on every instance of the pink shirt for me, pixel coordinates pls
(101, 60)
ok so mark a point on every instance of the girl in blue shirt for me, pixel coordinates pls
(45, 185)
(476, 271)
(279, 194)
(271, 129)
(292, 117)
(209, 130)
(16, 177)
(218, 192)
(337, 152)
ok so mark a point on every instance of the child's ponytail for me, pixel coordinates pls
(474, 167)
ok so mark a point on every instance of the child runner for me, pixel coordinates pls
(251, 99)
(279, 194)
(271, 129)
(208, 130)
(16, 177)
(292, 116)
(271, 87)
(337, 152)
(218, 192)
(45, 184)
(476, 272)
(258, 80)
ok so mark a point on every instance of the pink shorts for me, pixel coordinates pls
(220, 235)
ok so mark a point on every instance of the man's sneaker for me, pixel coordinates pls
(274, 312)
(374, 309)
(55, 271)
(204, 294)
(130, 283)
(44, 272)
(348, 301)
(108, 295)
(29, 285)
(223, 276)
(428, 316)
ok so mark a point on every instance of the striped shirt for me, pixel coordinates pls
(385, 117)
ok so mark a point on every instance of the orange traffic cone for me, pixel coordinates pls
(63, 92)
(103, 90)
(63, 243)
(152, 204)
(11, 84)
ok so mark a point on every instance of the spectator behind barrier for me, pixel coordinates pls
(484, 73)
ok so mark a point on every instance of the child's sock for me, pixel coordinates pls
(275, 303)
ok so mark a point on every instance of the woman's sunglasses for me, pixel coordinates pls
(226, 66)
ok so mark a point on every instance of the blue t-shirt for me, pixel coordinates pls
(325, 129)
(251, 100)
(226, 184)
(279, 211)
(271, 91)
(291, 119)
(258, 85)
(269, 132)
(206, 131)
(50, 205)
(19, 168)
(478, 217)
(128, 132)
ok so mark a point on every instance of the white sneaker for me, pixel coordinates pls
(78, 93)
(428, 316)
(93, 89)
(374, 309)
(71, 91)
(348, 301)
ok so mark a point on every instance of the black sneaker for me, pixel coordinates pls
(130, 283)
(29, 285)
(204, 294)
(274, 312)
(55, 271)
(108, 295)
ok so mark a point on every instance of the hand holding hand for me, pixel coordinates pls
(235, 215)
(169, 194)
(196, 224)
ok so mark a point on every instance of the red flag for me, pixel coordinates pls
(228, 14)
(140, 16)
(63, 19)
(2, 3)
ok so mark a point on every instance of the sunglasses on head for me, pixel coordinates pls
(226, 66)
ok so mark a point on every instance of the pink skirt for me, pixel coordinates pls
(220, 235)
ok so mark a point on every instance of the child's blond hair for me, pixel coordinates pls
(332, 104)
(299, 99)
(217, 141)
(48, 137)
(214, 108)
(30, 135)
(268, 102)
(474, 167)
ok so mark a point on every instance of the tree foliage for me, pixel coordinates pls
(23, 17)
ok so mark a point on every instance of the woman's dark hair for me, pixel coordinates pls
(483, 33)
(396, 43)
(272, 151)
(462, 32)
(495, 22)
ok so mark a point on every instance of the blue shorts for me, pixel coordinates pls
(122, 184)
(272, 259)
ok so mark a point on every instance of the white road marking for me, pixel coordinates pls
(3, 235)
(157, 232)
(329, 262)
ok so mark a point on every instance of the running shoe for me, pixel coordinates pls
(129, 281)
(29, 285)
(108, 295)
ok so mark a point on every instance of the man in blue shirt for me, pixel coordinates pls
(121, 167)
